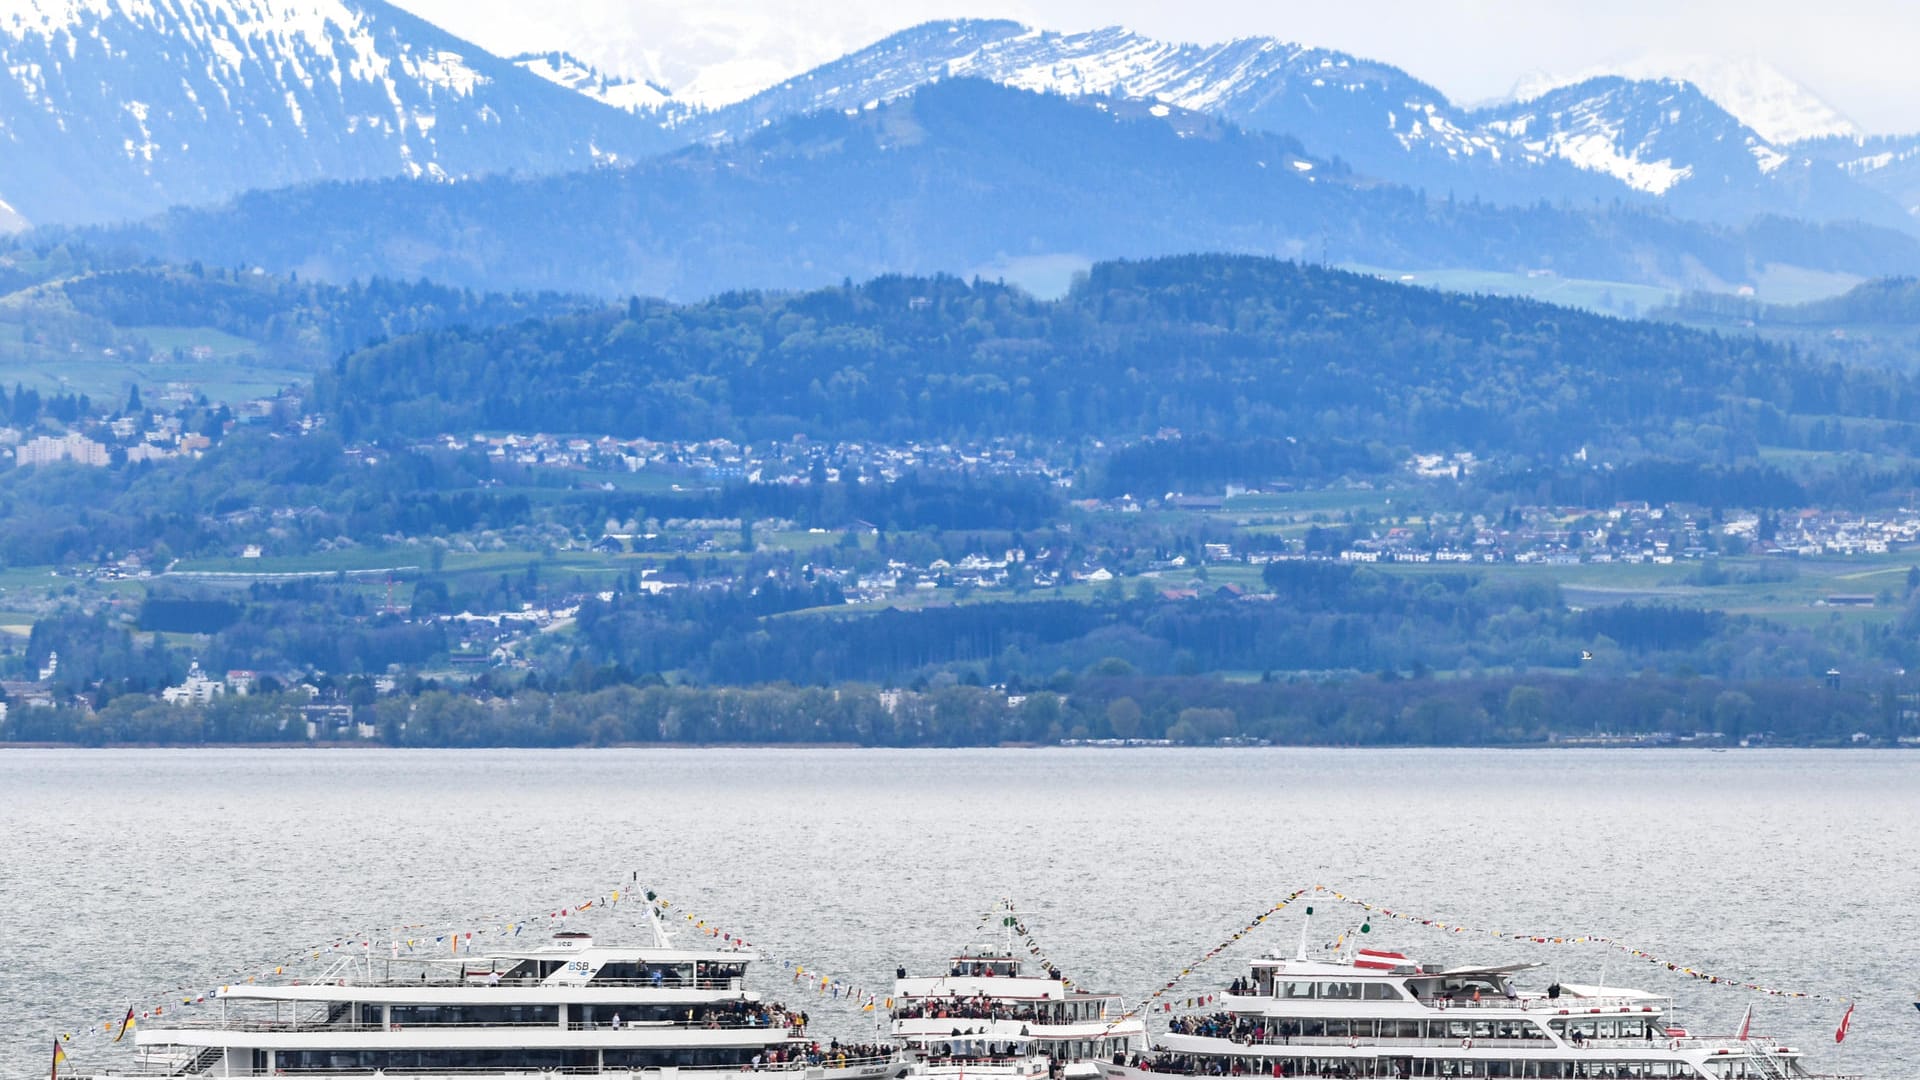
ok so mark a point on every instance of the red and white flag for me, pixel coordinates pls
(1840, 1035)
(1746, 1023)
(1384, 961)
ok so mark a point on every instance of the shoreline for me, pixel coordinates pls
(362, 746)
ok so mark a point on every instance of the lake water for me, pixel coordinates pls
(126, 874)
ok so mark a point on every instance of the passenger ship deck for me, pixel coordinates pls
(566, 1006)
(985, 1018)
(1381, 1015)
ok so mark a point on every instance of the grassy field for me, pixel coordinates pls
(804, 540)
(1798, 601)
(1325, 501)
(1781, 284)
(106, 378)
(224, 346)
(571, 482)
(1605, 297)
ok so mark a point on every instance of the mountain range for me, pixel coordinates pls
(962, 176)
(119, 109)
(1606, 137)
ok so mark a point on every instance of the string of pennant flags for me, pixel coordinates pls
(1601, 940)
(1154, 1002)
(412, 940)
(1004, 915)
(830, 987)
(420, 940)
(416, 940)
(1158, 1000)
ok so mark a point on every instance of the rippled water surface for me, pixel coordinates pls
(125, 874)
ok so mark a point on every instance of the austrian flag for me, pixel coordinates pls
(1380, 961)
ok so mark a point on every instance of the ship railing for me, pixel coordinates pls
(1720, 1042)
(1348, 1040)
(1038, 1021)
(833, 1062)
(320, 1025)
(1762, 1044)
(1531, 1003)
(467, 982)
(1556, 1006)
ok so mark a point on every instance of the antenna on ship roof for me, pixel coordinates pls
(1304, 923)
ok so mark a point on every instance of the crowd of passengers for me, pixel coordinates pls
(1254, 1029)
(1187, 1065)
(833, 1055)
(981, 1007)
(981, 970)
(727, 1014)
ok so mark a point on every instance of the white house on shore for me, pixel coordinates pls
(197, 690)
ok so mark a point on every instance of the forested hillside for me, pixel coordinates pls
(1239, 347)
(1874, 323)
(62, 295)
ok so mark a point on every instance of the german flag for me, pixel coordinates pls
(125, 1026)
(59, 1059)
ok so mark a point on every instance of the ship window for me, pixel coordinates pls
(1379, 991)
(449, 1015)
(1296, 990)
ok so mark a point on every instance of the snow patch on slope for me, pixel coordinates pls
(1595, 152)
(565, 69)
(1760, 95)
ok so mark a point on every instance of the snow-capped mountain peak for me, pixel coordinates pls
(1763, 97)
(565, 69)
(1608, 125)
(1367, 111)
(195, 100)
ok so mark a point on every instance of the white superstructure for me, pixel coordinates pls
(1373, 1014)
(982, 1017)
(560, 1005)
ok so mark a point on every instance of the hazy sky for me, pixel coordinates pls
(1860, 55)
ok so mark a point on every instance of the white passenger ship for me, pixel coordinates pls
(565, 1005)
(1377, 1014)
(983, 1018)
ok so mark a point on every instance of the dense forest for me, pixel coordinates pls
(1497, 711)
(1893, 301)
(292, 318)
(1242, 348)
(1876, 323)
(60, 293)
